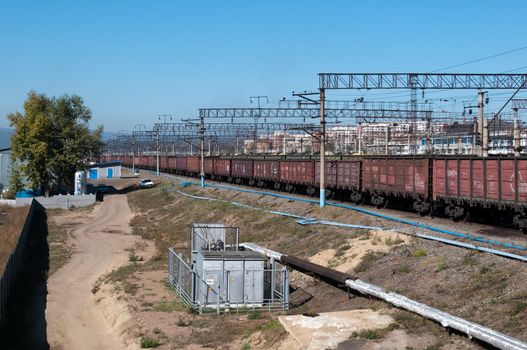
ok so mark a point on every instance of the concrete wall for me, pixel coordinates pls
(62, 202)
(10, 202)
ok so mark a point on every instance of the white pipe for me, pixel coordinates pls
(267, 252)
(473, 330)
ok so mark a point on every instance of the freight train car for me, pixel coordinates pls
(266, 172)
(397, 180)
(467, 185)
(222, 169)
(172, 161)
(242, 171)
(208, 166)
(193, 166)
(341, 176)
(181, 165)
(456, 187)
(297, 175)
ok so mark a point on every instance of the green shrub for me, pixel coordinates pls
(419, 253)
(367, 334)
(147, 343)
(404, 268)
(169, 306)
(254, 315)
(367, 261)
(442, 265)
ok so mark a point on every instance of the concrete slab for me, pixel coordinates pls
(327, 330)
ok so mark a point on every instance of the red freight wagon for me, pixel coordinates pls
(172, 163)
(152, 161)
(487, 181)
(208, 166)
(140, 161)
(222, 167)
(193, 165)
(126, 160)
(181, 164)
(297, 172)
(330, 172)
(242, 168)
(348, 174)
(341, 174)
(401, 177)
(163, 162)
(267, 170)
(407, 177)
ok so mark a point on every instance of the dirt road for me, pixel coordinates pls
(76, 318)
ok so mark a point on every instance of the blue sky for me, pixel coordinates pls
(132, 60)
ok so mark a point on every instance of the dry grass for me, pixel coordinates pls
(13, 219)
(455, 280)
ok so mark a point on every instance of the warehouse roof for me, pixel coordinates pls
(105, 164)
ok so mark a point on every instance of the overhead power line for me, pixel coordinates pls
(480, 59)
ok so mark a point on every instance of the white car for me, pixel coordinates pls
(146, 183)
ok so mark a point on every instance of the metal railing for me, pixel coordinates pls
(13, 264)
(200, 294)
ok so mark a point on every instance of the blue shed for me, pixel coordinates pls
(106, 170)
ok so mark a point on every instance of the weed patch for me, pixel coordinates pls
(367, 261)
(254, 315)
(442, 264)
(169, 306)
(367, 334)
(419, 253)
(393, 241)
(148, 343)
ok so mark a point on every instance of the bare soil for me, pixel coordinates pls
(429, 272)
(12, 221)
(125, 286)
(78, 318)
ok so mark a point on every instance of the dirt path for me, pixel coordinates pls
(76, 318)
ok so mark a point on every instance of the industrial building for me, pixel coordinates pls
(106, 170)
(5, 159)
(216, 274)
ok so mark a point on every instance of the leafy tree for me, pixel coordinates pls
(16, 182)
(52, 139)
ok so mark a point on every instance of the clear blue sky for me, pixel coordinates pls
(132, 60)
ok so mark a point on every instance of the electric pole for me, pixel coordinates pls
(322, 148)
(202, 148)
(255, 132)
(164, 117)
(483, 129)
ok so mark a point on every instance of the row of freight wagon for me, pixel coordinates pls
(449, 186)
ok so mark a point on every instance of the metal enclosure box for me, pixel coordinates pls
(238, 277)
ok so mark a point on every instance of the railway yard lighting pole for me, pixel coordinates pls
(516, 105)
(133, 153)
(157, 151)
(202, 148)
(164, 118)
(322, 148)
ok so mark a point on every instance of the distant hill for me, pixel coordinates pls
(5, 137)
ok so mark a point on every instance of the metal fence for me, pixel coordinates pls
(14, 263)
(199, 294)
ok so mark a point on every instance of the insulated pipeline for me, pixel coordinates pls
(473, 330)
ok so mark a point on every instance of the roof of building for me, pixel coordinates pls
(232, 254)
(4, 149)
(105, 164)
